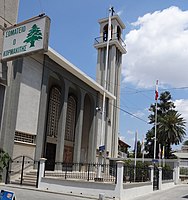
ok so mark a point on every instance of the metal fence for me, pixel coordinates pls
(136, 174)
(84, 171)
(167, 174)
(17, 169)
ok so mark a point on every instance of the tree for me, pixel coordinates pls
(185, 142)
(4, 159)
(33, 35)
(170, 125)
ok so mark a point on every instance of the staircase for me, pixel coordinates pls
(29, 178)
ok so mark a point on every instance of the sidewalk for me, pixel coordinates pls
(31, 188)
(178, 192)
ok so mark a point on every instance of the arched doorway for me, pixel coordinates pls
(70, 130)
(52, 127)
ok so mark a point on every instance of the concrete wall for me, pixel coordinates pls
(167, 184)
(137, 189)
(29, 96)
(78, 187)
(23, 149)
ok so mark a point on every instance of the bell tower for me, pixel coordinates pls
(109, 70)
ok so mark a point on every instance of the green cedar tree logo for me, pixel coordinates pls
(33, 35)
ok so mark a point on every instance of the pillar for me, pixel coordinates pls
(119, 179)
(160, 177)
(41, 170)
(61, 126)
(177, 172)
(78, 132)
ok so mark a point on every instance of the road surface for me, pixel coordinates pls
(179, 192)
(34, 194)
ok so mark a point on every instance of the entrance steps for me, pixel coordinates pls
(29, 178)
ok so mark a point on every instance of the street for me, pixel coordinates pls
(176, 193)
(32, 194)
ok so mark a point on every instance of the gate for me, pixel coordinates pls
(17, 171)
(155, 178)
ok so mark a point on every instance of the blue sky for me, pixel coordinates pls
(156, 36)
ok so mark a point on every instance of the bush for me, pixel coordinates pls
(4, 159)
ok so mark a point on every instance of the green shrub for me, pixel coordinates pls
(4, 159)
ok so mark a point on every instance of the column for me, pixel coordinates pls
(119, 179)
(40, 142)
(61, 125)
(78, 130)
(160, 177)
(41, 170)
(177, 172)
(92, 136)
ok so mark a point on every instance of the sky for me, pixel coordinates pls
(156, 38)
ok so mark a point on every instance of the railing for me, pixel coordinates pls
(18, 167)
(136, 174)
(84, 171)
(167, 174)
(115, 36)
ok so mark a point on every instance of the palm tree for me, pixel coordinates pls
(171, 130)
(170, 125)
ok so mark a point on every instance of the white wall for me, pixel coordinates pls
(29, 97)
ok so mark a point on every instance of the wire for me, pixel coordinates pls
(121, 109)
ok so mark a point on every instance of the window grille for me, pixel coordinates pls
(70, 121)
(24, 137)
(53, 112)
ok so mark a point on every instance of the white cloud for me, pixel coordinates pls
(120, 12)
(139, 114)
(157, 48)
(131, 132)
(182, 108)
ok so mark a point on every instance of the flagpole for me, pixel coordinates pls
(135, 154)
(155, 138)
(142, 150)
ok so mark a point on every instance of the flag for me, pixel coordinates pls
(142, 146)
(163, 152)
(135, 143)
(159, 151)
(109, 26)
(156, 91)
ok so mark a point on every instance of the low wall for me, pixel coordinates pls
(130, 191)
(79, 187)
(167, 184)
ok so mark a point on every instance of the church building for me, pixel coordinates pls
(51, 109)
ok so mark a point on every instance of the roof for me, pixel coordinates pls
(122, 143)
(59, 59)
(113, 17)
(183, 155)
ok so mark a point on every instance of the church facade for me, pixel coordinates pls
(52, 109)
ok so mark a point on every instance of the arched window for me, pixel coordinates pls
(70, 121)
(105, 32)
(118, 33)
(53, 112)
